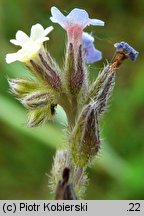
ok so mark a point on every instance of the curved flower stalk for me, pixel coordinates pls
(83, 103)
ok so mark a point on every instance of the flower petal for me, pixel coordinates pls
(47, 30)
(15, 42)
(93, 55)
(96, 22)
(21, 38)
(58, 17)
(11, 57)
(28, 52)
(78, 17)
(42, 39)
(37, 32)
(87, 39)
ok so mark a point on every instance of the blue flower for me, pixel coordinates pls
(75, 17)
(129, 51)
(91, 53)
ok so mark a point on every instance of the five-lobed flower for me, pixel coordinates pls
(74, 23)
(30, 46)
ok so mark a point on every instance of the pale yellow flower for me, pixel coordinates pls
(29, 45)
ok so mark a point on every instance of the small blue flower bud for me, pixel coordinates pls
(125, 48)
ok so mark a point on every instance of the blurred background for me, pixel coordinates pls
(26, 154)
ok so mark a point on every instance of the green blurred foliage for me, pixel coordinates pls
(26, 154)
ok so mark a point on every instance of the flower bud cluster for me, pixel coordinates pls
(39, 102)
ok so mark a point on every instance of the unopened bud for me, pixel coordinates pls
(97, 85)
(38, 99)
(22, 87)
(123, 51)
(38, 117)
(103, 96)
(61, 160)
(75, 69)
(77, 177)
(84, 140)
(45, 69)
(126, 49)
(64, 190)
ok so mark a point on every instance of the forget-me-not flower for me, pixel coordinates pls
(74, 22)
(91, 53)
(29, 45)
